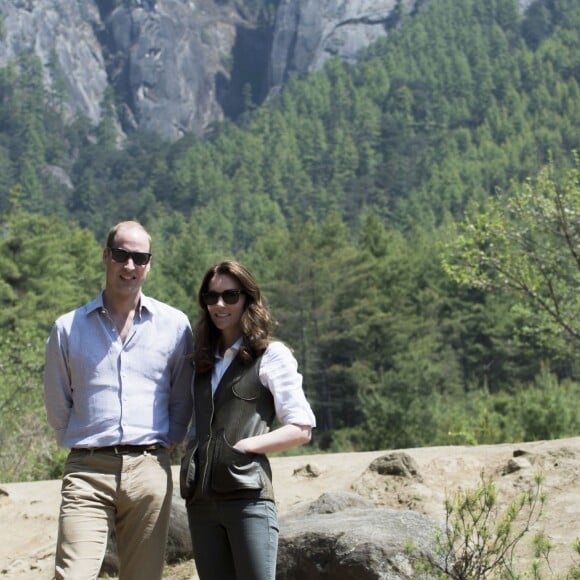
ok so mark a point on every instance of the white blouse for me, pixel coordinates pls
(279, 374)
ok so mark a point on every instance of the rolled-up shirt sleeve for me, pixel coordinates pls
(279, 373)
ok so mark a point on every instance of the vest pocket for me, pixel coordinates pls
(246, 390)
(234, 470)
(188, 472)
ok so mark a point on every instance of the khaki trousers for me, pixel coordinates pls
(102, 492)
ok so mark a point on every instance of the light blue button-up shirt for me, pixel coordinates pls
(101, 391)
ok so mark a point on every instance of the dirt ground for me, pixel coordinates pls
(28, 511)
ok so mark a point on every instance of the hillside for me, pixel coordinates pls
(412, 219)
(29, 511)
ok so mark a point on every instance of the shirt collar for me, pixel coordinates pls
(98, 304)
(232, 351)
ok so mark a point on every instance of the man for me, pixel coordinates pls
(117, 393)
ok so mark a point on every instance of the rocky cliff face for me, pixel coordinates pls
(165, 60)
(61, 29)
(168, 61)
(178, 65)
(309, 32)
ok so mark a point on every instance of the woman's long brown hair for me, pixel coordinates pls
(257, 322)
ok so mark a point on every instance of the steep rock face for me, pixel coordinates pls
(176, 66)
(64, 29)
(181, 65)
(169, 54)
(309, 32)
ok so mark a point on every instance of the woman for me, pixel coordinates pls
(243, 381)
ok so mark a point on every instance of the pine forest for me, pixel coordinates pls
(413, 219)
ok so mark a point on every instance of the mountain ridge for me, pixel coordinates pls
(176, 67)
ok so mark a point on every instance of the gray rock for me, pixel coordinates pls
(353, 544)
(307, 471)
(177, 66)
(309, 32)
(398, 463)
(169, 62)
(515, 464)
(169, 57)
(329, 503)
(65, 29)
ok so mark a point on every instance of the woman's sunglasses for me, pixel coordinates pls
(122, 256)
(228, 296)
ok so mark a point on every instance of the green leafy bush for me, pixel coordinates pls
(479, 540)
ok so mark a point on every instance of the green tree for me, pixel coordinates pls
(315, 263)
(106, 129)
(527, 242)
(30, 144)
(47, 267)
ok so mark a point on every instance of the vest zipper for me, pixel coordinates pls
(208, 448)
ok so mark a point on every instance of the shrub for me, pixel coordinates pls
(478, 541)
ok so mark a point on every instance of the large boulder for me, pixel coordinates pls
(344, 538)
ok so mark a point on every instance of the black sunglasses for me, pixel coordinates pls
(122, 256)
(228, 296)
